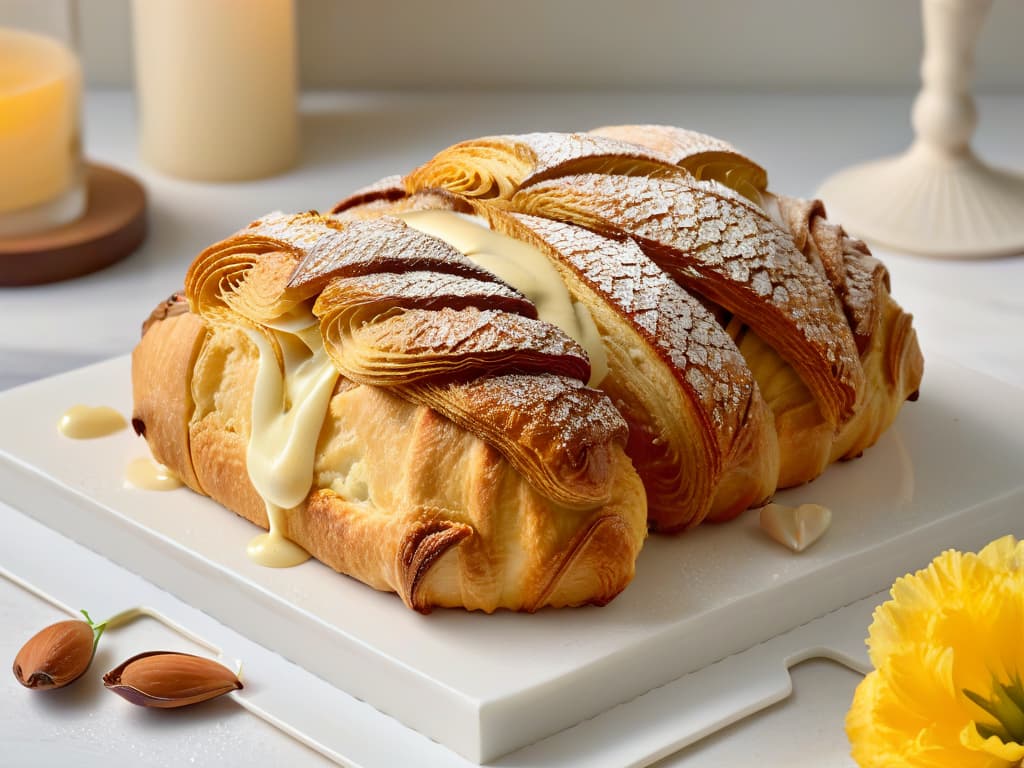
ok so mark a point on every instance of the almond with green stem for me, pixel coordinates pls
(58, 655)
(167, 679)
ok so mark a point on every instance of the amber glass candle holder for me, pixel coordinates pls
(41, 170)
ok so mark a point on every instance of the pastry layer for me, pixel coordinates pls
(403, 498)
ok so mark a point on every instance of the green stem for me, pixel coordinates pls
(97, 629)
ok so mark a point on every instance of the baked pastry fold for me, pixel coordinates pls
(468, 482)
(719, 245)
(495, 167)
(892, 362)
(502, 335)
(704, 157)
(701, 436)
(766, 266)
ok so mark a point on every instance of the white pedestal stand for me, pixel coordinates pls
(938, 199)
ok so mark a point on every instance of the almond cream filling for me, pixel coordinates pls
(288, 410)
(290, 400)
(524, 268)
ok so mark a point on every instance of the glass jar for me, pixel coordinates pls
(41, 173)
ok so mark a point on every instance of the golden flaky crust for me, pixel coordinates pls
(749, 343)
(807, 309)
(453, 472)
(705, 157)
(716, 243)
(404, 499)
(696, 417)
(495, 167)
(162, 406)
(883, 332)
(701, 436)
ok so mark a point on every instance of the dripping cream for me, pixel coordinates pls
(288, 411)
(524, 268)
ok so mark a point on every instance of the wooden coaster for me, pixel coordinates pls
(112, 227)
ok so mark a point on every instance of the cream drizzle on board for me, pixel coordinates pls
(149, 475)
(85, 422)
(288, 411)
(524, 268)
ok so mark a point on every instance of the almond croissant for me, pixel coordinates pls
(458, 460)
(467, 363)
(790, 353)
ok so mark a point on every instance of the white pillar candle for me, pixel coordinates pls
(216, 84)
(40, 162)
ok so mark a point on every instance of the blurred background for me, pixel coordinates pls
(783, 44)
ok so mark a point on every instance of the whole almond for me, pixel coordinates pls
(56, 655)
(167, 679)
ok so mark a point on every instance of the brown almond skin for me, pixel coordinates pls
(166, 679)
(55, 656)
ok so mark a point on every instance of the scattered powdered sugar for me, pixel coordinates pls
(551, 151)
(856, 277)
(866, 277)
(467, 340)
(719, 244)
(381, 245)
(676, 144)
(294, 230)
(677, 326)
(499, 165)
(388, 188)
(457, 326)
(424, 290)
(547, 407)
(406, 303)
(553, 429)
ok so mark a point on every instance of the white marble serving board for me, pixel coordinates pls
(947, 474)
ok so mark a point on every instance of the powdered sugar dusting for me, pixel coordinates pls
(866, 278)
(423, 290)
(580, 416)
(455, 327)
(717, 243)
(293, 230)
(856, 277)
(553, 429)
(418, 343)
(388, 188)
(677, 326)
(676, 144)
(554, 150)
(496, 166)
(862, 278)
(385, 244)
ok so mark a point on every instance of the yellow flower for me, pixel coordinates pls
(948, 652)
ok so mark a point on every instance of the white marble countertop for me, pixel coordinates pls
(972, 312)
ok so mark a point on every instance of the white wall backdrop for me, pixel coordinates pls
(834, 44)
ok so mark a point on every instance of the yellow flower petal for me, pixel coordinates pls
(948, 649)
(1005, 554)
(908, 714)
(917, 599)
(1006, 754)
